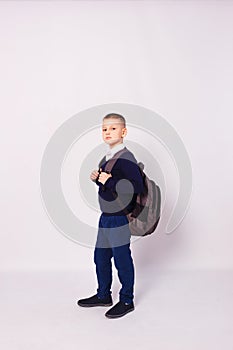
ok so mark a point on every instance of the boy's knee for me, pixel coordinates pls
(102, 255)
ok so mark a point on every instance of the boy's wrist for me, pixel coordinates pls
(103, 177)
(110, 182)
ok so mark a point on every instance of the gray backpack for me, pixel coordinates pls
(145, 216)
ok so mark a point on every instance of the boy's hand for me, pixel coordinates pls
(94, 175)
(104, 177)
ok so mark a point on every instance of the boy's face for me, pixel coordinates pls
(113, 131)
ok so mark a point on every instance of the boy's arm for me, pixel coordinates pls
(96, 180)
(131, 172)
(103, 160)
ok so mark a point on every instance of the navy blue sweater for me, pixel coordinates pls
(125, 168)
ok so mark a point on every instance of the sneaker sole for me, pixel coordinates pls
(92, 305)
(116, 316)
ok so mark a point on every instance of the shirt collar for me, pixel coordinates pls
(111, 151)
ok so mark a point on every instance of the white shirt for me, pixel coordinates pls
(111, 151)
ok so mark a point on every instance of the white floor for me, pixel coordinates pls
(173, 310)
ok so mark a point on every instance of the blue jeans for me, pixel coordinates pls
(113, 240)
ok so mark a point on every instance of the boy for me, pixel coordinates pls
(113, 239)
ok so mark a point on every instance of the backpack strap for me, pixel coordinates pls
(103, 160)
(108, 168)
(111, 162)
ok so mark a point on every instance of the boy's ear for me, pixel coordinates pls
(124, 132)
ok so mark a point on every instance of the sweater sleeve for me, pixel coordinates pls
(98, 183)
(131, 172)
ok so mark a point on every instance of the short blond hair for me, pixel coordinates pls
(116, 116)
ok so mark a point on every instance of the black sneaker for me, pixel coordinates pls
(119, 310)
(95, 301)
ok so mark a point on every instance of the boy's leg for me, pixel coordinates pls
(102, 259)
(124, 265)
(120, 241)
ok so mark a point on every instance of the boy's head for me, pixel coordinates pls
(113, 129)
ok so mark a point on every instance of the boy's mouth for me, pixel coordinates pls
(108, 137)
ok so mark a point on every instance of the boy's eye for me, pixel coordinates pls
(106, 129)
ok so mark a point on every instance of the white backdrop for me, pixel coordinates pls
(59, 58)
